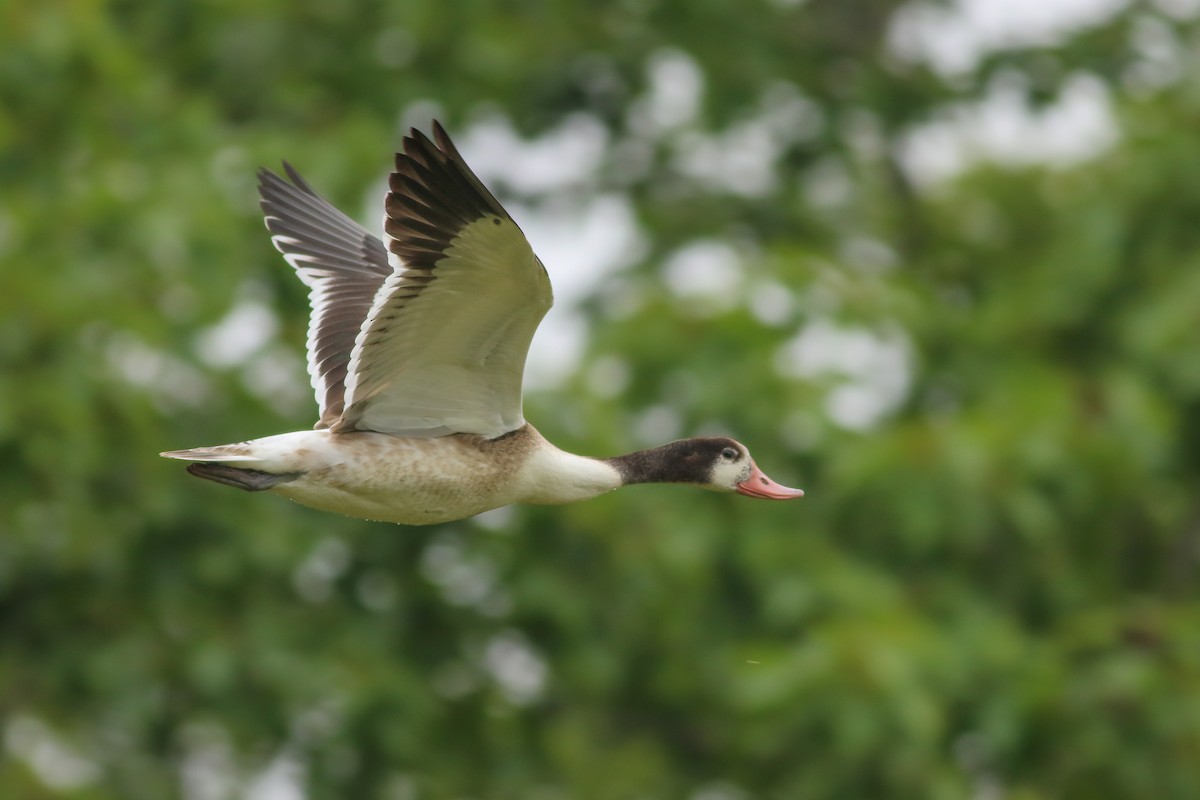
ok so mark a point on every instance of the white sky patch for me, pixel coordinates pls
(464, 578)
(608, 376)
(516, 668)
(242, 332)
(801, 430)
(866, 255)
(788, 114)
(313, 578)
(232, 169)
(395, 47)
(1003, 129)
(741, 160)
(207, 770)
(744, 158)
(721, 790)
(771, 302)
(569, 155)
(278, 378)
(582, 245)
(1162, 60)
(827, 184)
(657, 424)
(377, 590)
(399, 786)
(953, 39)
(497, 520)
(874, 368)
(283, 779)
(706, 270)
(57, 764)
(1179, 9)
(170, 381)
(673, 96)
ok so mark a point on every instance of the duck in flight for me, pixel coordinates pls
(416, 349)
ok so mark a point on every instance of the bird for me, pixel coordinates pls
(416, 351)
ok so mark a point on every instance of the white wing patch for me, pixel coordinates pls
(443, 350)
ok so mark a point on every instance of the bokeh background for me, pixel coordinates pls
(936, 263)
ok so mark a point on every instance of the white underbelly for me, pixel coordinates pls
(419, 503)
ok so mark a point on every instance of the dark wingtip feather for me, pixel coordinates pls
(270, 180)
(444, 143)
(432, 195)
(266, 179)
(299, 182)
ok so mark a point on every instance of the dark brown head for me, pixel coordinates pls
(710, 462)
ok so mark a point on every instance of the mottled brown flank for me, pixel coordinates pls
(506, 453)
(493, 461)
(514, 445)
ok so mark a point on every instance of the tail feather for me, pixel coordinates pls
(224, 452)
(250, 480)
(213, 463)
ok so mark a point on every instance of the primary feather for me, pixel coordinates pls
(342, 265)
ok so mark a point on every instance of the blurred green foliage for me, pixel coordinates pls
(990, 590)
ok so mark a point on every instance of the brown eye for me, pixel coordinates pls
(729, 454)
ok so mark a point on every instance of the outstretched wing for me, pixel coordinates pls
(443, 348)
(342, 265)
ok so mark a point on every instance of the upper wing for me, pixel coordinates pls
(443, 348)
(342, 265)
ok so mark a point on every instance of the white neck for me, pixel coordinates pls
(552, 476)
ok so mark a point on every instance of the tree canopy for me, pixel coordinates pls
(941, 271)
